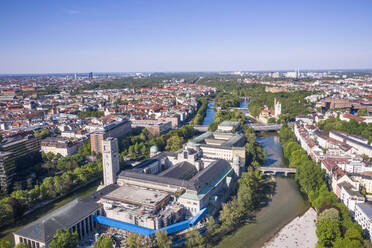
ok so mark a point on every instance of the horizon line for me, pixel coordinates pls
(191, 71)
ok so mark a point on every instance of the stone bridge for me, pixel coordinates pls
(265, 127)
(201, 128)
(276, 170)
(239, 108)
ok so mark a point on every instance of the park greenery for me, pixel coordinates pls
(199, 117)
(334, 226)
(225, 100)
(137, 146)
(293, 103)
(63, 176)
(353, 127)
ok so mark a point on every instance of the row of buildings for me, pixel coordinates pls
(348, 172)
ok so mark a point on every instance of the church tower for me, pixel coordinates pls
(110, 160)
(277, 108)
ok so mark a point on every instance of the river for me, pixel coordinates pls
(209, 114)
(284, 206)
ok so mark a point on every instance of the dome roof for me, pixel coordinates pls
(154, 149)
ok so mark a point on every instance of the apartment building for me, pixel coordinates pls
(59, 145)
(18, 155)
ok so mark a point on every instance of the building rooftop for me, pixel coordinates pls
(137, 196)
(183, 170)
(219, 139)
(366, 208)
(44, 228)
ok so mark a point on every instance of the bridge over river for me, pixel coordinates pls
(256, 127)
(265, 127)
(277, 170)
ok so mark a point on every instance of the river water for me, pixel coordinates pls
(209, 114)
(286, 203)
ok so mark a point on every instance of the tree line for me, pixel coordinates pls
(334, 225)
(199, 117)
(13, 206)
(353, 127)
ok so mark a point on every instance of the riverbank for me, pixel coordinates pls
(286, 204)
(300, 232)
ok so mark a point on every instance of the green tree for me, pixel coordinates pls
(271, 120)
(194, 239)
(21, 245)
(212, 227)
(310, 176)
(174, 143)
(328, 231)
(5, 244)
(162, 239)
(362, 112)
(347, 243)
(135, 240)
(64, 239)
(329, 214)
(354, 231)
(103, 242)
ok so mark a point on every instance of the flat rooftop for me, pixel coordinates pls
(218, 139)
(137, 196)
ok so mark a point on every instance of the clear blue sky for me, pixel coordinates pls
(183, 35)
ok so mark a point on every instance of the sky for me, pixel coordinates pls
(60, 36)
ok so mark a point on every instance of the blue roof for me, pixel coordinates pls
(198, 216)
(123, 225)
(147, 231)
(176, 227)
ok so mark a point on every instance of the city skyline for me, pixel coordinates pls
(163, 36)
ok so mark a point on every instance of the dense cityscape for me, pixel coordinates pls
(179, 152)
(186, 124)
